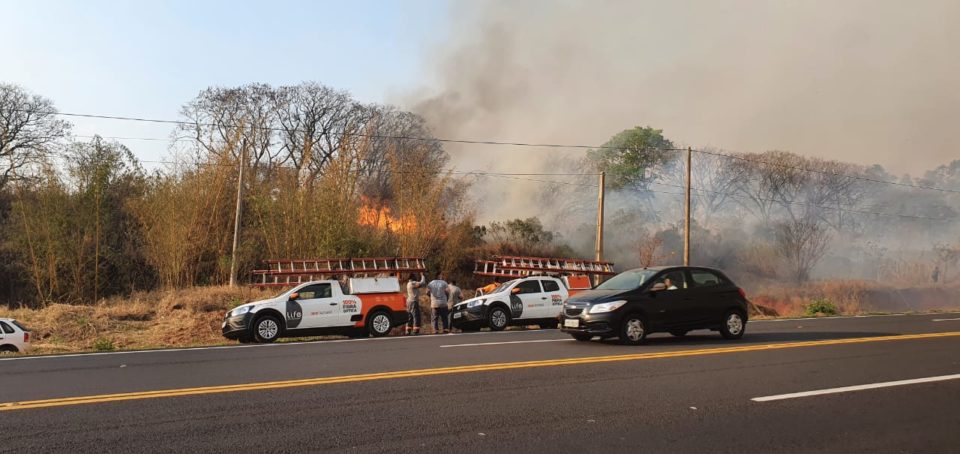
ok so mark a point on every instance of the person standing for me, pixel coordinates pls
(438, 289)
(413, 303)
(456, 296)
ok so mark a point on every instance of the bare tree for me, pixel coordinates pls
(28, 128)
(802, 243)
(312, 120)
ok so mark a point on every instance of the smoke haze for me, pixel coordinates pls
(861, 81)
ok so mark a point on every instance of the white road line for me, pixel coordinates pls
(945, 319)
(505, 343)
(841, 317)
(847, 389)
(281, 344)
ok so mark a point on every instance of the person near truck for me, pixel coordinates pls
(438, 290)
(413, 303)
(456, 296)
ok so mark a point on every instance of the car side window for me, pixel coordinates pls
(529, 287)
(6, 328)
(315, 291)
(703, 278)
(673, 280)
(550, 286)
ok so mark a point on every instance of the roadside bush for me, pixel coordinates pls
(103, 345)
(821, 306)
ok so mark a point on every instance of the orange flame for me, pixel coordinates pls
(380, 217)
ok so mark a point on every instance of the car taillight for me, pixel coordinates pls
(26, 337)
(743, 294)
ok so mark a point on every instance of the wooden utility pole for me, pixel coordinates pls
(599, 248)
(236, 221)
(686, 215)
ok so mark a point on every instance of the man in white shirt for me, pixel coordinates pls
(438, 290)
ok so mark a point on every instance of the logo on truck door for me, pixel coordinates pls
(349, 306)
(294, 314)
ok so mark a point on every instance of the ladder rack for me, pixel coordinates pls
(290, 272)
(517, 266)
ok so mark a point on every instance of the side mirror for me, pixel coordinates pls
(515, 291)
(294, 296)
(658, 287)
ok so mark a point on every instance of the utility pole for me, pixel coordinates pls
(599, 249)
(236, 221)
(686, 215)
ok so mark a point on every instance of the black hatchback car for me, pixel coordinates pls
(641, 301)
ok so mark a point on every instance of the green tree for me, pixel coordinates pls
(627, 156)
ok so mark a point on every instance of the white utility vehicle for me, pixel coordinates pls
(14, 337)
(534, 300)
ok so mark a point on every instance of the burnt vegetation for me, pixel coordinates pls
(325, 175)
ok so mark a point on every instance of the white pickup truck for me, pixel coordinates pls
(534, 300)
(372, 306)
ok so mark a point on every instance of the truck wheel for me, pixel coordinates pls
(266, 329)
(498, 319)
(379, 324)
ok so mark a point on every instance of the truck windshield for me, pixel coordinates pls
(504, 286)
(627, 280)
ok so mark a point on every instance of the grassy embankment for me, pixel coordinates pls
(191, 317)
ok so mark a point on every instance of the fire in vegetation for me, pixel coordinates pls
(378, 215)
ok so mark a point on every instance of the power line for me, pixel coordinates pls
(502, 143)
(354, 134)
(478, 173)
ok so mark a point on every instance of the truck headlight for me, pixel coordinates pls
(240, 311)
(606, 307)
(476, 303)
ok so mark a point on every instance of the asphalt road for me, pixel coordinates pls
(533, 391)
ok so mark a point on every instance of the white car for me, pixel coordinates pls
(14, 337)
(534, 300)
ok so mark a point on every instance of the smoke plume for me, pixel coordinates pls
(861, 81)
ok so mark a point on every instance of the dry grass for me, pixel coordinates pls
(853, 297)
(191, 317)
(175, 318)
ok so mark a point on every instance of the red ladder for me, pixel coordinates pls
(290, 272)
(517, 266)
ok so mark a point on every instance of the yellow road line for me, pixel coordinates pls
(60, 402)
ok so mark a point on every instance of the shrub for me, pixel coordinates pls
(821, 306)
(103, 345)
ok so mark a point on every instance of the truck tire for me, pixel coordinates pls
(267, 329)
(498, 318)
(379, 324)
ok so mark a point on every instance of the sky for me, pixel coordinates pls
(147, 58)
(866, 81)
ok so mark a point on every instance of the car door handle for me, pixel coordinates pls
(333, 304)
(543, 297)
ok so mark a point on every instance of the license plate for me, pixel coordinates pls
(571, 323)
(457, 315)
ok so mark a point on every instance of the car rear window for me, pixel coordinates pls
(24, 328)
(6, 328)
(705, 278)
(550, 286)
